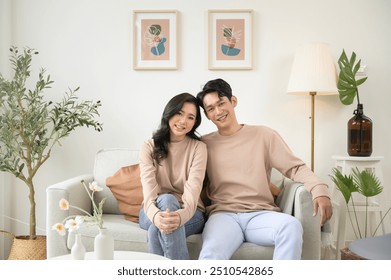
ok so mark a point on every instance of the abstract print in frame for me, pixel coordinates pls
(229, 39)
(155, 40)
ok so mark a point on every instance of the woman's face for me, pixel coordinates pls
(183, 122)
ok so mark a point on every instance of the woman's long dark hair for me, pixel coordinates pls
(161, 136)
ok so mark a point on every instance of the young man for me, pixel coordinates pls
(240, 159)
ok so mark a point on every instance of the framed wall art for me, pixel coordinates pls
(155, 40)
(229, 39)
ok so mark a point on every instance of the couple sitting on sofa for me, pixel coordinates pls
(234, 165)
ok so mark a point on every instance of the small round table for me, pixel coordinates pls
(118, 255)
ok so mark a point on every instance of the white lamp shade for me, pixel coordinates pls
(313, 70)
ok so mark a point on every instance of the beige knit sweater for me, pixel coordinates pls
(181, 174)
(239, 169)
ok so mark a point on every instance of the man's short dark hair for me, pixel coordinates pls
(218, 85)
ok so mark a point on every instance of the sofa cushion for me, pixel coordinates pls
(126, 187)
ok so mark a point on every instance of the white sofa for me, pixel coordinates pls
(293, 199)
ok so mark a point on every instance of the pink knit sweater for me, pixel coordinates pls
(239, 169)
(181, 174)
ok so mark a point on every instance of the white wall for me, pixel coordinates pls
(5, 35)
(88, 43)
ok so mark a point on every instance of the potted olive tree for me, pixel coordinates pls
(31, 125)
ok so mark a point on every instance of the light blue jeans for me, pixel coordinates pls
(224, 232)
(172, 246)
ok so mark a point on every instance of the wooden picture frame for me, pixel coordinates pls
(230, 39)
(155, 39)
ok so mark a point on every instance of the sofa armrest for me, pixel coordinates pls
(297, 201)
(73, 191)
(303, 210)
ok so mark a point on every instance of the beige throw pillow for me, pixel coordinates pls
(126, 187)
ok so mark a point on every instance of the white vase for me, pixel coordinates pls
(104, 245)
(78, 251)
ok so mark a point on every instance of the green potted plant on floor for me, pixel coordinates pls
(365, 183)
(31, 125)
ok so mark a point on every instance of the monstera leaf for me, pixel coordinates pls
(347, 83)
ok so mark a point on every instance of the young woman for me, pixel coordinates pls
(172, 167)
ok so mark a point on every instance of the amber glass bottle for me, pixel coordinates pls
(359, 134)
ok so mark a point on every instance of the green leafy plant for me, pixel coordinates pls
(30, 125)
(363, 182)
(347, 82)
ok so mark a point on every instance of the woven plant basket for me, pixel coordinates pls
(23, 248)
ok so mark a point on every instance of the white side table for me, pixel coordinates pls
(345, 165)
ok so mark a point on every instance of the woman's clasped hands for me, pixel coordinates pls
(167, 221)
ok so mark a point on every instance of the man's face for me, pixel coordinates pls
(220, 110)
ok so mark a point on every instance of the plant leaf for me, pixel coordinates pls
(367, 182)
(347, 83)
(347, 96)
(352, 59)
(361, 81)
(344, 183)
(356, 67)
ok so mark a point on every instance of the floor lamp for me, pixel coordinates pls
(313, 73)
